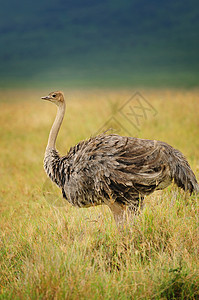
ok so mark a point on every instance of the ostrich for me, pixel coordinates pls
(114, 170)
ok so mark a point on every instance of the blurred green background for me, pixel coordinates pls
(107, 43)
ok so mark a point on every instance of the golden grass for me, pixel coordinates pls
(50, 250)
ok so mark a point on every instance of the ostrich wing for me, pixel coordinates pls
(142, 167)
(114, 166)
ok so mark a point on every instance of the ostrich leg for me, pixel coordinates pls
(124, 214)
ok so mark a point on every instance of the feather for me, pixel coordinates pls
(117, 166)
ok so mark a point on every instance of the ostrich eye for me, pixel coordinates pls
(54, 95)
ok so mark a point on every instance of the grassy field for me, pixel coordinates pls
(50, 250)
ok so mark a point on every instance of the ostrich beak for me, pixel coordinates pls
(45, 98)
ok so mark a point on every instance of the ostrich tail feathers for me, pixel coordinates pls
(182, 173)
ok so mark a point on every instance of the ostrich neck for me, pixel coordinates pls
(56, 126)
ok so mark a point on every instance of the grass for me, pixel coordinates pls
(50, 250)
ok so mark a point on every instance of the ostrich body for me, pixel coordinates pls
(114, 170)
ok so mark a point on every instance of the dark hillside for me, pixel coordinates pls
(104, 43)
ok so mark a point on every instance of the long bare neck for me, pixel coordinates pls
(56, 126)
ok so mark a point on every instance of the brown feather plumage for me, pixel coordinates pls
(120, 168)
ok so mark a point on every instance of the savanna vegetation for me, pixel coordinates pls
(50, 250)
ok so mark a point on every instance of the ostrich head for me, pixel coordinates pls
(55, 97)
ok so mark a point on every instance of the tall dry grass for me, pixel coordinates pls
(50, 250)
